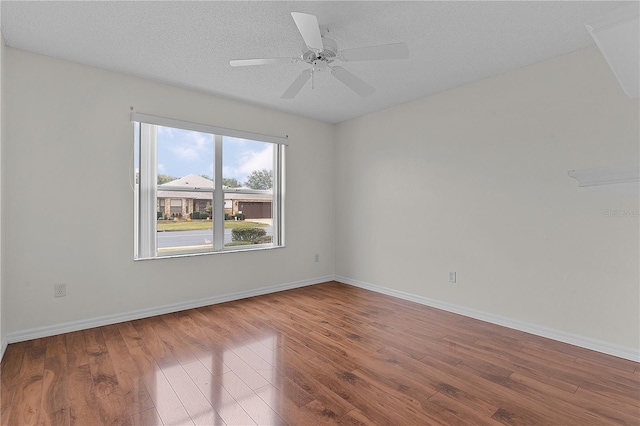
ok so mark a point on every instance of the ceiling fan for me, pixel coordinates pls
(320, 52)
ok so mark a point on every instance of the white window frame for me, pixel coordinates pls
(145, 191)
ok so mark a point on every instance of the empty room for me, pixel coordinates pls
(317, 213)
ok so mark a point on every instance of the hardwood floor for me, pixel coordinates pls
(319, 355)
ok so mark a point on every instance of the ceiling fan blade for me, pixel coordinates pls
(352, 82)
(297, 85)
(374, 53)
(309, 30)
(266, 61)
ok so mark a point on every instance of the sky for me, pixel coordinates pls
(181, 152)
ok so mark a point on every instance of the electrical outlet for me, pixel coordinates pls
(316, 258)
(452, 277)
(59, 290)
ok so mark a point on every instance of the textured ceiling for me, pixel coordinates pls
(189, 44)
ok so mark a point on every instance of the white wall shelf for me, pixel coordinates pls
(623, 180)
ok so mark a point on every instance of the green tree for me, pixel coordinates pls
(206, 177)
(260, 179)
(230, 182)
(162, 178)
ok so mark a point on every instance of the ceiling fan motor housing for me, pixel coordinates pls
(326, 55)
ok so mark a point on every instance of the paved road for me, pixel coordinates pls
(194, 238)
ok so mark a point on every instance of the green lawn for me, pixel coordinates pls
(183, 225)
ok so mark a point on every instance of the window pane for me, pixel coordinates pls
(247, 168)
(183, 154)
(247, 163)
(185, 169)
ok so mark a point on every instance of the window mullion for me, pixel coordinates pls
(275, 213)
(148, 180)
(218, 196)
(278, 195)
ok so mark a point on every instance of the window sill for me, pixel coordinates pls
(207, 253)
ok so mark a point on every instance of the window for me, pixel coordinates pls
(176, 207)
(202, 189)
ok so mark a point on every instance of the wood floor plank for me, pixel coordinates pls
(622, 377)
(287, 409)
(9, 373)
(316, 413)
(111, 405)
(206, 349)
(198, 407)
(609, 408)
(323, 325)
(259, 339)
(168, 404)
(600, 374)
(220, 399)
(153, 344)
(244, 370)
(81, 393)
(178, 348)
(287, 387)
(259, 410)
(242, 361)
(129, 334)
(568, 372)
(329, 400)
(327, 354)
(320, 344)
(518, 416)
(355, 418)
(83, 406)
(375, 402)
(6, 395)
(605, 412)
(147, 417)
(130, 382)
(497, 390)
(445, 383)
(453, 407)
(273, 338)
(55, 395)
(612, 361)
(112, 409)
(76, 349)
(381, 330)
(515, 360)
(100, 365)
(27, 399)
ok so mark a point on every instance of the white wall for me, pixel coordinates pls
(67, 200)
(474, 180)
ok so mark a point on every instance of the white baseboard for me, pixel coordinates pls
(561, 336)
(67, 327)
